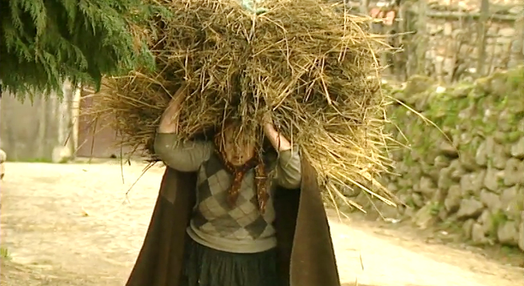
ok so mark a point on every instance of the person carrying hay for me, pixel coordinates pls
(232, 214)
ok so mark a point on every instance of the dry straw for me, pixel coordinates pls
(311, 63)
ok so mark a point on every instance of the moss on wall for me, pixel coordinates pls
(467, 166)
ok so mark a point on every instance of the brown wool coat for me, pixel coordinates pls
(306, 255)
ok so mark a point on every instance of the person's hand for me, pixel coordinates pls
(170, 117)
(177, 99)
(267, 119)
(279, 142)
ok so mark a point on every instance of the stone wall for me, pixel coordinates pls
(453, 42)
(43, 130)
(468, 170)
(443, 40)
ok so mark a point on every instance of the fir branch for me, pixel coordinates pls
(45, 42)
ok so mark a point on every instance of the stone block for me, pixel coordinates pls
(521, 231)
(452, 201)
(508, 233)
(517, 149)
(470, 208)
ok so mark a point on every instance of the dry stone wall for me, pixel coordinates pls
(443, 40)
(468, 169)
(452, 49)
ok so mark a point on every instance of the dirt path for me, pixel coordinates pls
(73, 219)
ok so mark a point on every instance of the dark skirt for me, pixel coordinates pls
(209, 267)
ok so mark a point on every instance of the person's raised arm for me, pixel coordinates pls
(289, 167)
(182, 156)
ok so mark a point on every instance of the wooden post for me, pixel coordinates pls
(422, 37)
(364, 5)
(481, 37)
(522, 39)
(401, 59)
(518, 52)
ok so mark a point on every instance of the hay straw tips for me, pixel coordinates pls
(313, 66)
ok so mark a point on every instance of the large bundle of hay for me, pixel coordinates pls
(313, 65)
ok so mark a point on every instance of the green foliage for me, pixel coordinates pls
(44, 42)
(460, 116)
(435, 208)
(4, 253)
(497, 219)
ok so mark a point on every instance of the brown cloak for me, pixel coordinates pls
(306, 255)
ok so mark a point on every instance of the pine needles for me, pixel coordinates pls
(45, 42)
(314, 67)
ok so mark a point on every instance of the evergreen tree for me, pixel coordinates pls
(44, 42)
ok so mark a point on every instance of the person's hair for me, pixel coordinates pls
(234, 125)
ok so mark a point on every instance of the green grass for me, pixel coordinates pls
(4, 253)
